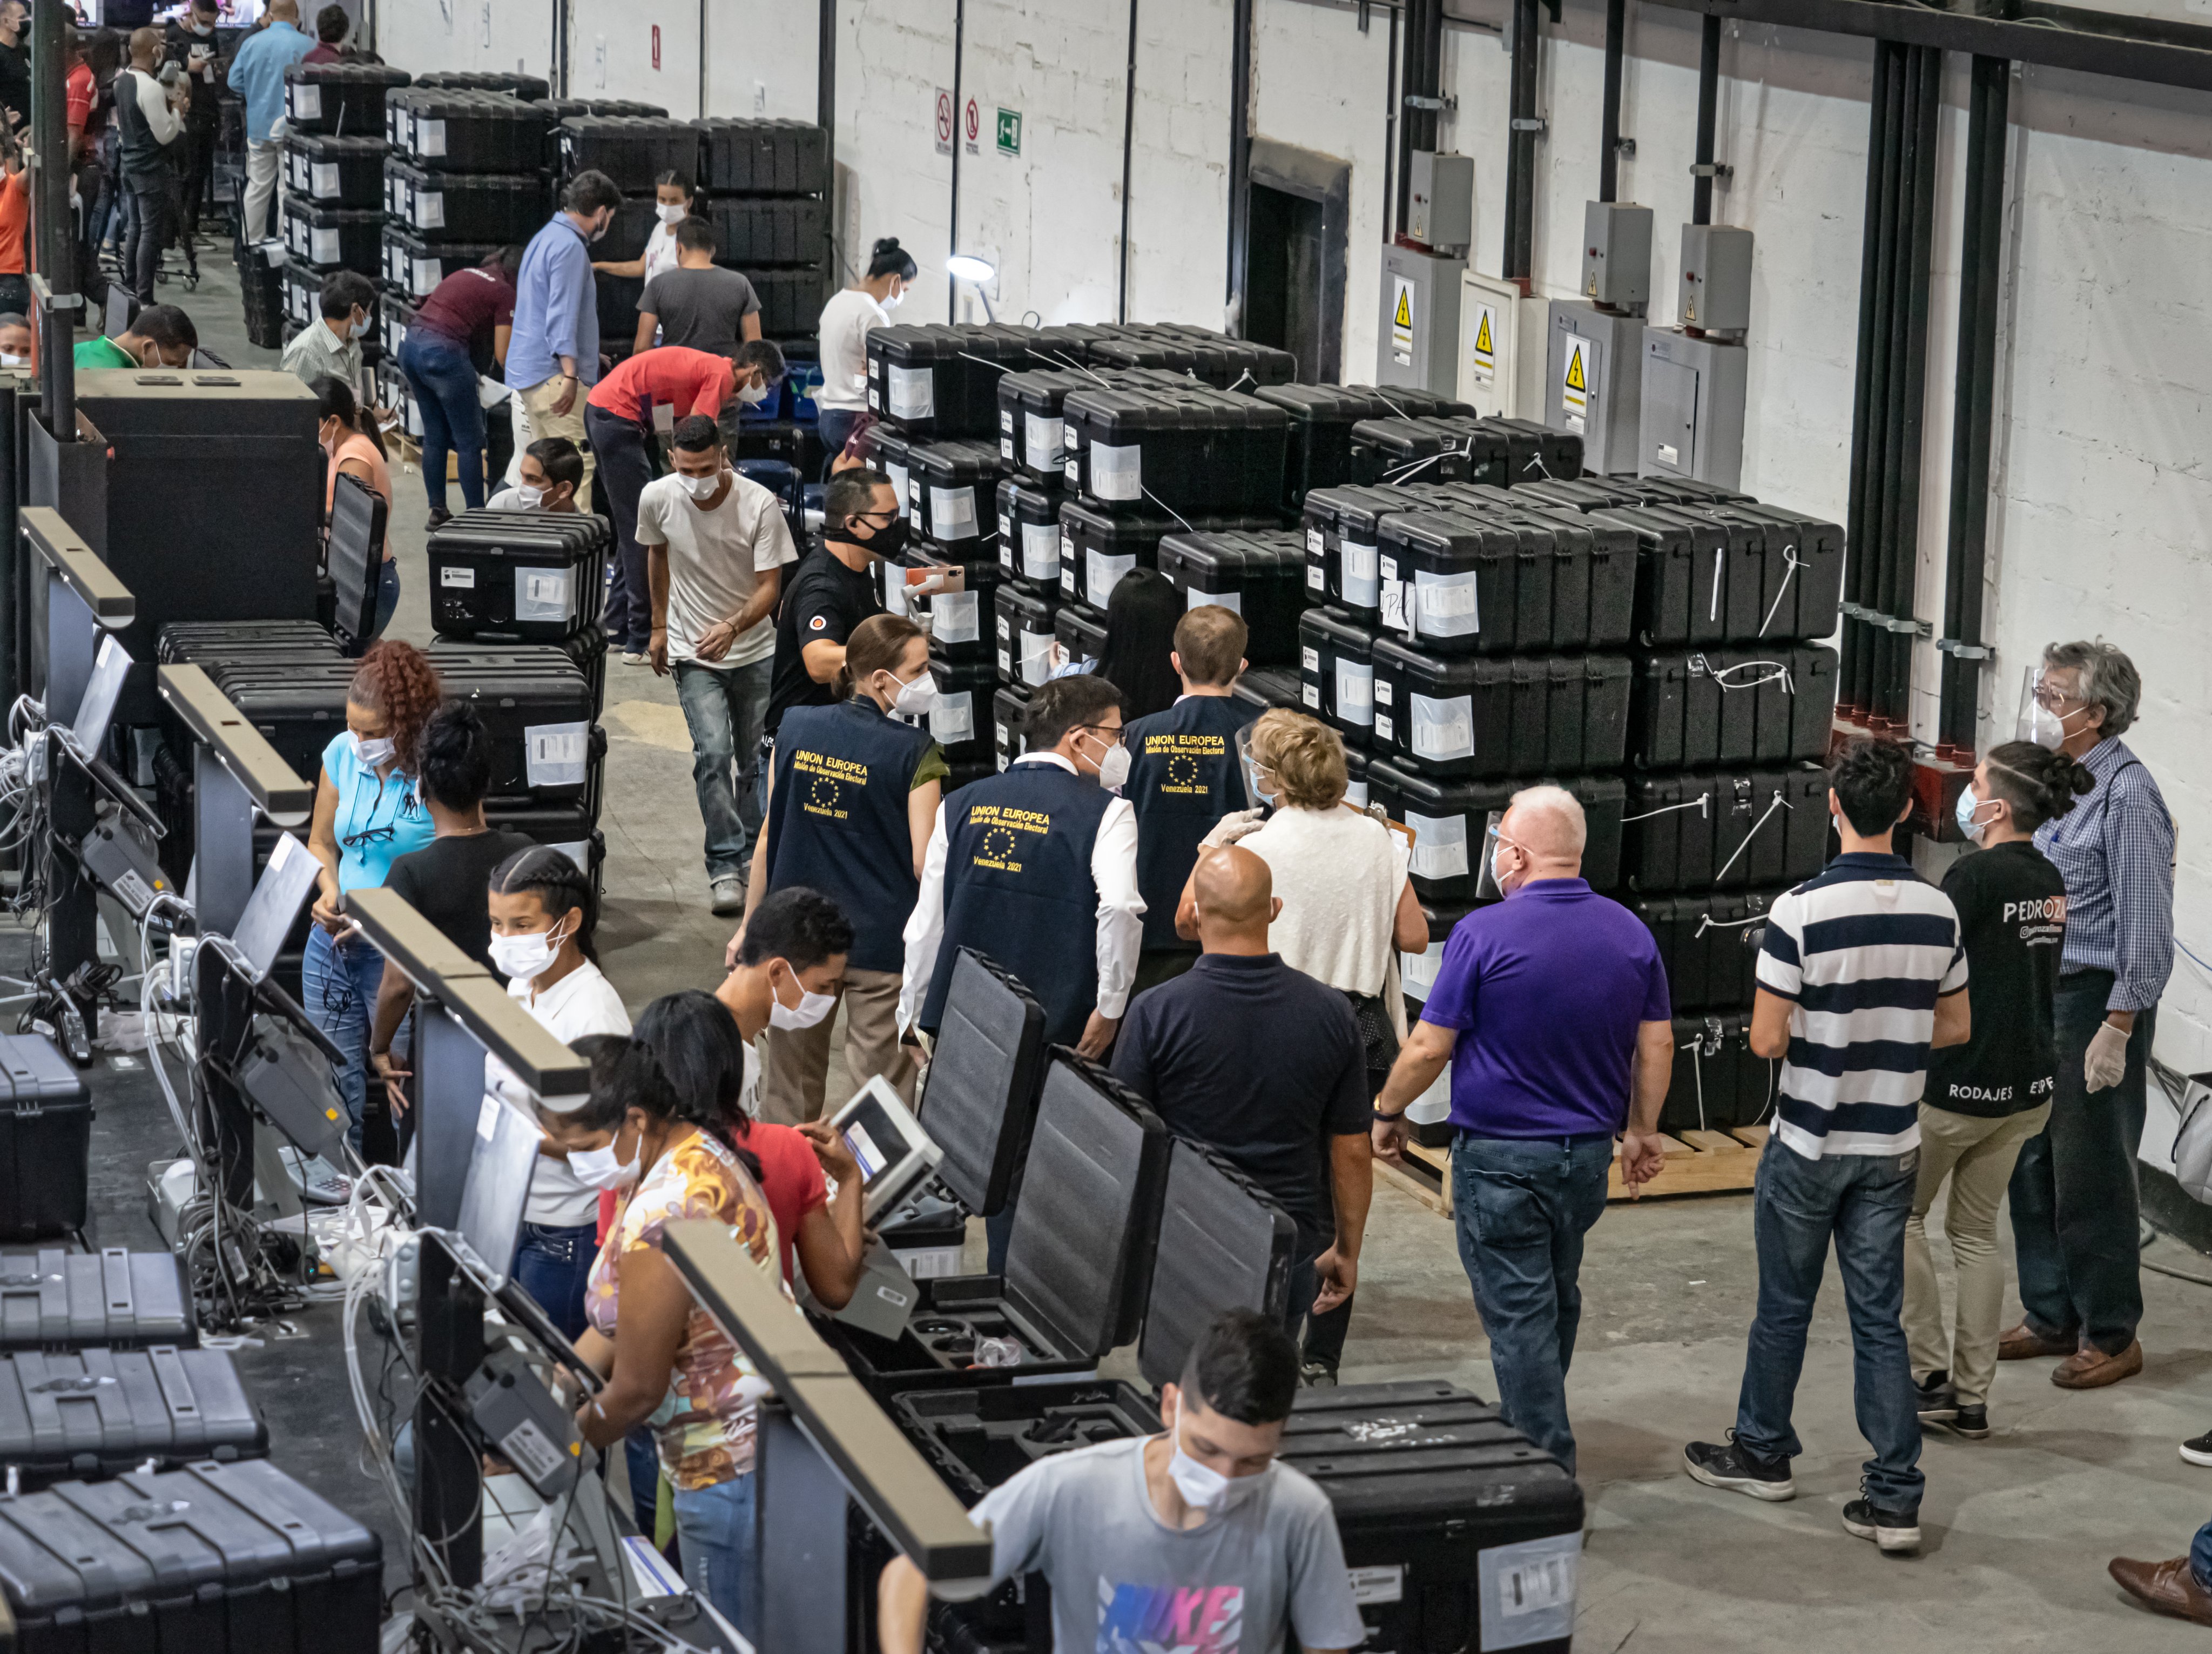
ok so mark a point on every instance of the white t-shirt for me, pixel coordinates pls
(659, 250)
(582, 1002)
(844, 327)
(714, 561)
(1338, 874)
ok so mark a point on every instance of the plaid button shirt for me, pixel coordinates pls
(2115, 850)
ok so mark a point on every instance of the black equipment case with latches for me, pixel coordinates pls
(449, 206)
(952, 486)
(1030, 532)
(98, 1412)
(463, 131)
(1336, 672)
(1718, 1080)
(1010, 709)
(1459, 1531)
(1322, 419)
(961, 720)
(1476, 716)
(1735, 705)
(55, 1300)
(1259, 574)
(1450, 821)
(45, 1140)
(346, 100)
(1704, 831)
(336, 172)
(1710, 944)
(1081, 630)
(530, 575)
(1026, 638)
(215, 1558)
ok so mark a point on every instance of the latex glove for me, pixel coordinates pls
(2106, 1059)
(1237, 825)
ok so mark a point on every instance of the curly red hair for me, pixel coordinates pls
(397, 680)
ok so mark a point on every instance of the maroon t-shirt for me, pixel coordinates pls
(467, 305)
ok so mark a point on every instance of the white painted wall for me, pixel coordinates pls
(420, 35)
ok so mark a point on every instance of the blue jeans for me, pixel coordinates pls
(339, 982)
(1522, 1207)
(553, 1266)
(2074, 1220)
(643, 1457)
(714, 1528)
(1862, 1201)
(725, 709)
(834, 427)
(2200, 1557)
(444, 380)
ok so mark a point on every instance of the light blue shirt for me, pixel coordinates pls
(556, 308)
(379, 820)
(257, 74)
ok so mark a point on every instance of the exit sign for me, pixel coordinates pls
(1010, 131)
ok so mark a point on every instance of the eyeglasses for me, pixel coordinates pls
(2050, 699)
(369, 836)
(1104, 736)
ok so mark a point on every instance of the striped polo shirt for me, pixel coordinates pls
(1863, 951)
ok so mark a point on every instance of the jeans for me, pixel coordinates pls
(621, 446)
(553, 1266)
(1862, 1201)
(2074, 1225)
(834, 427)
(339, 982)
(724, 708)
(715, 1527)
(444, 380)
(1522, 1207)
(263, 162)
(149, 235)
(2200, 1557)
(642, 1456)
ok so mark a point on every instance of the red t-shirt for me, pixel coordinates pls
(14, 219)
(81, 92)
(791, 1178)
(323, 52)
(692, 382)
(467, 305)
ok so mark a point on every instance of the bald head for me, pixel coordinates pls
(1235, 893)
(1546, 824)
(145, 47)
(286, 11)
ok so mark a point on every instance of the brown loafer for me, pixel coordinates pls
(2024, 1343)
(2169, 1587)
(2090, 1368)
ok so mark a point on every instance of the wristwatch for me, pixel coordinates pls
(1378, 1115)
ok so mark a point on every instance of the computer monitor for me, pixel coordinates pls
(893, 1150)
(497, 1187)
(110, 668)
(275, 903)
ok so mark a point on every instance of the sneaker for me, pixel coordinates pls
(1319, 1375)
(1737, 1469)
(1973, 1424)
(1897, 1532)
(2197, 1449)
(729, 896)
(1939, 1401)
(632, 657)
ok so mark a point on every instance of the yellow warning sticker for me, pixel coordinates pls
(1577, 369)
(1575, 380)
(1401, 321)
(1482, 354)
(1405, 316)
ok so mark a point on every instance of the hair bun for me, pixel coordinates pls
(2080, 777)
(886, 244)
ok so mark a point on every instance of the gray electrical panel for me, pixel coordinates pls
(1440, 208)
(1617, 255)
(1419, 343)
(1692, 408)
(1714, 295)
(1592, 382)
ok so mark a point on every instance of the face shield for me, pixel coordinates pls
(1255, 797)
(2050, 708)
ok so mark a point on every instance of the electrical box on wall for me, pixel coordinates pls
(1419, 343)
(1714, 293)
(1592, 382)
(1440, 206)
(1489, 343)
(1617, 255)
(1693, 407)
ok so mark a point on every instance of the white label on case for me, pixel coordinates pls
(1442, 728)
(952, 512)
(427, 274)
(1439, 845)
(543, 594)
(1384, 729)
(429, 137)
(1040, 439)
(306, 101)
(1313, 578)
(553, 754)
(1355, 795)
(1355, 692)
(1232, 601)
(1313, 542)
(1447, 605)
(1310, 658)
(955, 617)
(579, 852)
(1382, 691)
(429, 209)
(1526, 1591)
(1006, 449)
(1394, 605)
(1006, 424)
(1117, 473)
(913, 393)
(1359, 560)
(451, 575)
(953, 718)
(1379, 1585)
(1105, 573)
(1311, 694)
(323, 178)
(1037, 655)
(1040, 548)
(898, 475)
(326, 245)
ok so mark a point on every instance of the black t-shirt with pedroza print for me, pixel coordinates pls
(2012, 917)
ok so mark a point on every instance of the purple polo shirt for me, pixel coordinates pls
(1546, 989)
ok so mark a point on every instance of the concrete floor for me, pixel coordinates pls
(2017, 1529)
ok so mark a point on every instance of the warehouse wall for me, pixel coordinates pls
(2102, 491)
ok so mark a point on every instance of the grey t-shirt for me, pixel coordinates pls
(700, 308)
(1124, 1581)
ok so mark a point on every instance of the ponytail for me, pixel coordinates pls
(877, 644)
(2039, 783)
(628, 1074)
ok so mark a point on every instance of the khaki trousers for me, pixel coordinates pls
(798, 1065)
(1976, 1155)
(537, 403)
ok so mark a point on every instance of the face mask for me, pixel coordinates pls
(886, 542)
(809, 1010)
(1202, 1487)
(600, 234)
(377, 753)
(753, 395)
(1114, 769)
(892, 300)
(917, 698)
(527, 957)
(1497, 870)
(1967, 805)
(1252, 774)
(532, 498)
(7, 360)
(702, 488)
(198, 27)
(2043, 726)
(671, 215)
(599, 1169)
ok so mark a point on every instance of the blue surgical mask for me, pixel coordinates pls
(1968, 804)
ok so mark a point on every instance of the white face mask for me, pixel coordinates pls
(376, 752)
(809, 1010)
(674, 214)
(1114, 768)
(524, 957)
(915, 698)
(753, 395)
(702, 488)
(1497, 874)
(892, 300)
(7, 360)
(532, 498)
(599, 1169)
(1202, 1487)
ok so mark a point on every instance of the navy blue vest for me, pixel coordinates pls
(837, 819)
(1183, 779)
(1017, 888)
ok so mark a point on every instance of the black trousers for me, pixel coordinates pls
(153, 207)
(196, 174)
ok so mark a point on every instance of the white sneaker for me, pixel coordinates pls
(633, 658)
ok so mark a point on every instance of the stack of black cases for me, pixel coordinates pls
(768, 188)
(331, 207)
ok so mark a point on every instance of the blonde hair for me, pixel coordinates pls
(1304, 756)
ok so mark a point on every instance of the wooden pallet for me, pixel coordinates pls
(1700, 1163)
(1425, 1175)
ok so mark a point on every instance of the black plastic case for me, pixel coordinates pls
(1260, 573)
(528, 87)
(633, 150)
(215, 1558)
(1736, 705)
(763, 157)
(530, 576)
(1322, 421)
(1718, 1080)
(1265, 688)
(1476, 717)
(353, 557)
(984, 1073)
(465, 132)
(98, 1412)
(1026, 638)
(201, 642)
(1029, 532)
(415, 266)
(346, 99)
(1459, 1532)
(1032, 420)
(1081, 630)
(438, 205)
(112, 1299)
(333, 238)
(952, 491)
(937, 380)
(754, 233)
(1336, 672)
(1709, 944)
(1199, 352)
(1009, 707)
(1099, 544)
(1185, 448)
(336, 172)
(1728, 831)
(1450, 822)
(45, 1140)
(961, 720)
